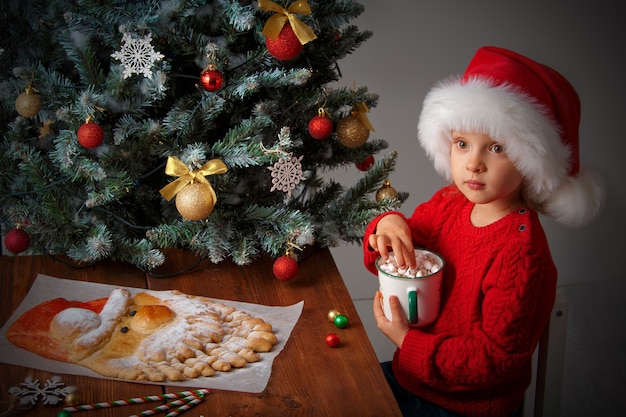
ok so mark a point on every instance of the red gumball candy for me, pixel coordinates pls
(211, 79)
(365, 164)
(90, 135)
(286, 46)
(285, 268)
(16, 240)
(332, 340)
(320, 127)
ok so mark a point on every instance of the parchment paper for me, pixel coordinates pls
(251, 378)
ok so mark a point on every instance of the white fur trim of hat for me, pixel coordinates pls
(534, 112)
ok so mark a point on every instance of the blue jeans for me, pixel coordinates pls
(412, 405)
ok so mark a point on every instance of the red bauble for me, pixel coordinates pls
(365, 164)
(211, 79)
(90, 135)
(286, 47)
(332, 340)
(320, 127)
(16, 240)
(285, 268)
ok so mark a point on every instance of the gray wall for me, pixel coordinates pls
(417, 43)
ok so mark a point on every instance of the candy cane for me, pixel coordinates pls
(137, 400)
(185, 407)
(165, 407)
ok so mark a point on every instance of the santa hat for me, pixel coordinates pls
(534, 112)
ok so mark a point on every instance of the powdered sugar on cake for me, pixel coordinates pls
(152, 336)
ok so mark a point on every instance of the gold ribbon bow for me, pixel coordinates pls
(176, 168)
(275, 23)
(360, 110)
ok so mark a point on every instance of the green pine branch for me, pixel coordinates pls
(107, 201)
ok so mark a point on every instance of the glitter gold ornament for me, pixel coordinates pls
(351, 131)
(386, 191)
(195, 201)
(198, 198)
(28, 103)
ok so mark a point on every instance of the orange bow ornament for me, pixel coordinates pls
(176, 168)
(275, 23)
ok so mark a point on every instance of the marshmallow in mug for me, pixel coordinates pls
(426, 265)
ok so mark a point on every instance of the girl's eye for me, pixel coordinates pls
(497, 148)
(461, 144)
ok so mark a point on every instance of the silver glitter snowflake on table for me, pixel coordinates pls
(52, 392)
(137, 55)
(286, 174)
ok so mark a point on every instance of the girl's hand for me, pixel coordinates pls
(393, 232)
(396, 328)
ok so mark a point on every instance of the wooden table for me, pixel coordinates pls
(308, 377)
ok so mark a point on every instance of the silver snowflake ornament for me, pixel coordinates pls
(286, 174)
(137, 55)
(52, 392)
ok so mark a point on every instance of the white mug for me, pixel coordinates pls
(420, 297)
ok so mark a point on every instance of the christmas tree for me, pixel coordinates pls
(208, 125)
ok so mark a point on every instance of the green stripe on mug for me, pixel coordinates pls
(412, 294)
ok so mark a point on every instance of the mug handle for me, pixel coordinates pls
(412, 294)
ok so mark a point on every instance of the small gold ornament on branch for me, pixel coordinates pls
(386, 191)
(28, 103)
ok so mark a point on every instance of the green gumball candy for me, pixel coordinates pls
(340, 321)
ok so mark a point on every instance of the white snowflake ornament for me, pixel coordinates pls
(286, 174)
(51, 393)
(137, 55)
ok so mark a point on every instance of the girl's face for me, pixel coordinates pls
(483, 172)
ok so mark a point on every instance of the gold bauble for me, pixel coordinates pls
(332, 314)
(195, 201)
(71, 398)
(27, 104)
(386, 191)
(351, 131)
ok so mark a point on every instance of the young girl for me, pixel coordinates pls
(506, 135)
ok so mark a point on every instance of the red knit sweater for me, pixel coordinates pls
(499, 285)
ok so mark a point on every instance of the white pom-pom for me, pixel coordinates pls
(578, 200)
